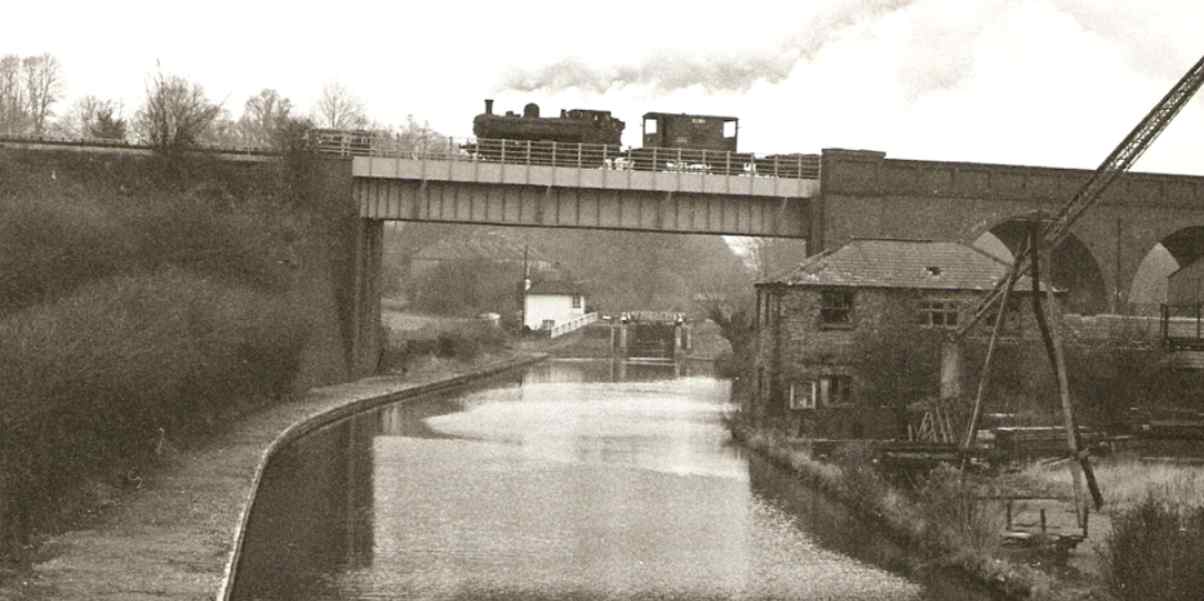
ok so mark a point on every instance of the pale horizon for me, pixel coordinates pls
(1037, 82)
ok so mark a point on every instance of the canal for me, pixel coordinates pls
(569, 480)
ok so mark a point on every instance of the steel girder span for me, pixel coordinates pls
(534, 195)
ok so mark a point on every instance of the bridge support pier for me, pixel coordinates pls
(365, 344)
(621, 349)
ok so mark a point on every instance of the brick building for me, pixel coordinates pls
(849, 338)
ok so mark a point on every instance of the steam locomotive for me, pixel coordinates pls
(670, 140)
(588, 138)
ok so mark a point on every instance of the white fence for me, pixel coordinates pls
(573, 325)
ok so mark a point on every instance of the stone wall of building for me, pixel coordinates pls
(890, 359)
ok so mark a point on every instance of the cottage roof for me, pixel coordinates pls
(890, 263)
(565, 287)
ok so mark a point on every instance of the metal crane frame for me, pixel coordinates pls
(1044, 235)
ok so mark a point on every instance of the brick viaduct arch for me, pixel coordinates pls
(864, 194)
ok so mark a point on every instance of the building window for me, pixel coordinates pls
(802, 395)
(548, 324)
(938, 313)
(576, 301)
(824, 391)
(834, 390)
(1011, 320)
(836, 308)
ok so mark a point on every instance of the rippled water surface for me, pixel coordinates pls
(575, 480)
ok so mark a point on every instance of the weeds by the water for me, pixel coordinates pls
(1155, 551)
(940, 518)
(456, 340)
(1127, 482)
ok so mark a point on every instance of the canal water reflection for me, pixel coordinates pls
(572, 480)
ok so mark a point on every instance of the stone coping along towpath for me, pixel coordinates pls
(178, 536)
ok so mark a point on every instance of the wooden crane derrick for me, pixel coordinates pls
(1044, 233)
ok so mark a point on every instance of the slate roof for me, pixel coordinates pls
(889, 263)
(555, 287)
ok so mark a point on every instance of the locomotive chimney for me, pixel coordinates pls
(488, 106)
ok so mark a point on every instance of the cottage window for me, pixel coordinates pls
(802, 395)
(548, 324)
(576, 301)
(834, 390)
(938, 313)
(836, 308)
(1011, 320)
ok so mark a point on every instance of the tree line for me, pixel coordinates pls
(175, 112)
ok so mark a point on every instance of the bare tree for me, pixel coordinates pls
(13, 116)
(107, 126)
(79, 119)
(93, 117)
(264, 117)
(176, 114)
(338, 109)
(223, 131)
(770, 257)
(43, 87)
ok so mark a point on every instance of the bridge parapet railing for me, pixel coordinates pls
(560, 154)
(573, 325)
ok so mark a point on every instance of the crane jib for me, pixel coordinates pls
(1118, 161)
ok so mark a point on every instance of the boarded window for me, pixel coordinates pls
(938, 313)
(834, 390)
(802, 395)
(836, 308)
(824, 391)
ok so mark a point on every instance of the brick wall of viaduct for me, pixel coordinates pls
(864, 194)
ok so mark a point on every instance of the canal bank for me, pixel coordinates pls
(927, 531)
(176, 536)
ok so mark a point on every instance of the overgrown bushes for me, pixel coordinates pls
(1155, 551)
(463, 341)
(939, 517)
(128, 320)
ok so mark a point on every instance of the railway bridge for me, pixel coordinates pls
(826, 198)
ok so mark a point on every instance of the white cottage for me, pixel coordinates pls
(552, 302)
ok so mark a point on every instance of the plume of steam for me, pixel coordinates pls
(714, 72)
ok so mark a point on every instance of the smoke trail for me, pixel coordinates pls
(715, 72)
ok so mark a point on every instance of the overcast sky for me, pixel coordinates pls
(1046, 82)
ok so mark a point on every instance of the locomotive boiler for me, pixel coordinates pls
(670, 141)
(574, 126)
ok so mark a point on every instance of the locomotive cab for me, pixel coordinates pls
(699, 132)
